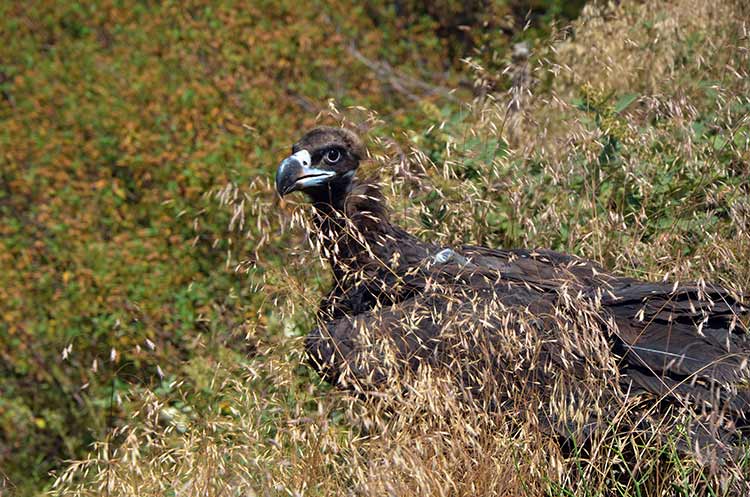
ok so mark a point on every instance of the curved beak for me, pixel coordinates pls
(295, 173)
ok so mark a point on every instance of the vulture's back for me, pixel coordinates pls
(519, 328)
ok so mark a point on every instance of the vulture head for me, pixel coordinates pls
(322, 164)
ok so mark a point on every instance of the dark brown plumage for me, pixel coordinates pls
(511, 323)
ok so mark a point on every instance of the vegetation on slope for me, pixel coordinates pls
(626, 140)
(117, 118)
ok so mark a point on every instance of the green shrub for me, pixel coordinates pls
(134, 135)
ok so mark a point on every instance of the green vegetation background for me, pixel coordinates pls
(115, 119)
(123, 125)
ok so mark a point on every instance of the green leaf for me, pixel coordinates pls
(624, 102)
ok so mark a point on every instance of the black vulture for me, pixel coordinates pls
(514, 327)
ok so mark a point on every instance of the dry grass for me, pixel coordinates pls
(628, 144)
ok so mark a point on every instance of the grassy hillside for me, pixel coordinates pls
(152, 289)
(118, 118)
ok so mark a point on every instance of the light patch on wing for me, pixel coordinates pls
(447, 255)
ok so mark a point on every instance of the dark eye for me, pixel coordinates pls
(333, 156)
